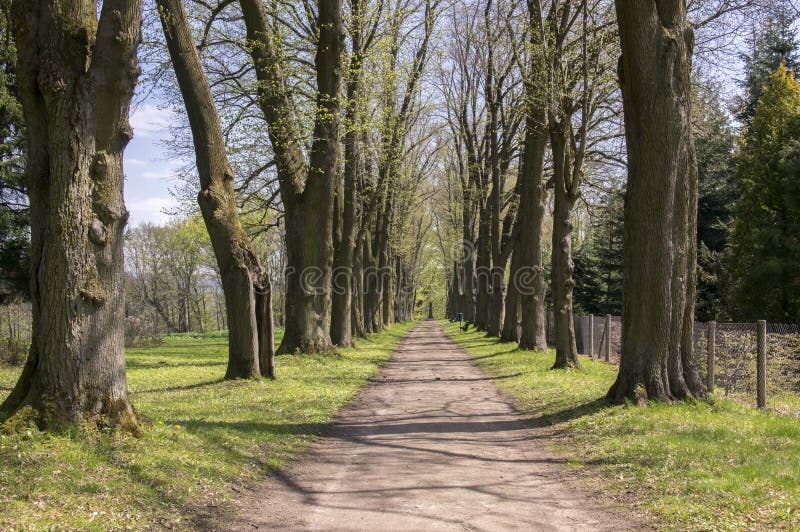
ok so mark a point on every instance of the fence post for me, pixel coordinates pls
(608, 337)
(711, 349)
(591, 336)
(761, 373)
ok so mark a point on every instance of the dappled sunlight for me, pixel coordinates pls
(200, 434)
(700, 465)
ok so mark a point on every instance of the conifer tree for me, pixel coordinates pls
(765, 243)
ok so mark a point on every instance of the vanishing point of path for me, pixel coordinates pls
(431, 445)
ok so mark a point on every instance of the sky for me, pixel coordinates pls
(149, 168)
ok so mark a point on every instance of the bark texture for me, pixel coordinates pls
(566, 191)
(307, 189)
(76, 74)
(529, 279)
(661, 201)
(527, 272)
(244, 282)
(342, 297)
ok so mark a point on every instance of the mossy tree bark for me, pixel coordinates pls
(76, 75)
(307, 189)
(244, 282)
(660, 204)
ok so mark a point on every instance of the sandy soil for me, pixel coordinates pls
(431, 444)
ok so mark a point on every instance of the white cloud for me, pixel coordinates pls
(135, 162)
(156, 175)
(152, 209)
(150, 121)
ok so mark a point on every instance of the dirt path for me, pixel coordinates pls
(431, 445)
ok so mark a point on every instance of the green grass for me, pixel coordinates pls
(698, 466)
(205, 436)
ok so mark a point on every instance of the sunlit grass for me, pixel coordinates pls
(697, 466)
(203, 437)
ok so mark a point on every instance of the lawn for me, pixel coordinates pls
(204, 439)
(719, 465)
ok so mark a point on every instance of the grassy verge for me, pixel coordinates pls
(206, 436)
(700, 466)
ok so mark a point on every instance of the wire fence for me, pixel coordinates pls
(751, 362)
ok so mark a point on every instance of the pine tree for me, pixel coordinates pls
(14, 222)
(714, 142)
(765, 243)
(598, 263)
(774, 44)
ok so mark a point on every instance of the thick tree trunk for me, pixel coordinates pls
(510, 331)
(266, 328)
(373, 290)
(660, 204)
(468, 278)
(342, 277)
(483, 266)
(306, 189)
(342, 298)
(76, 76)
(241, 273)
(565, 195)
(388, 294)
(357, 306)
(455, 299)
(494, 317)
(529, 279)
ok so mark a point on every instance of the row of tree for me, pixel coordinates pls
(558, 87)
(353, 130)
(747, 257)
(351, 234)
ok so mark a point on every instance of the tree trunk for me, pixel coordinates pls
(495, 309)
(373, 290)
(483, 266)
(529, 279)
(241, 273)
(183, 314)
(266, 328)
(468, 272)
(357, 305)
(565, 195)
(510, 332)
(76, 75)
(660, 205)
(342, 298)
(306, 189)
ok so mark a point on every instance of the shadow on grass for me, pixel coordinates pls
(499, 353)
(135, 364)
(181, 388)
(207, 429)
(574, 412)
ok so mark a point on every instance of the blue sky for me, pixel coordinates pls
(149, 168)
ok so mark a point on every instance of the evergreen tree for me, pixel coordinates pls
(714, 142)
(765, 243)
(14, 223)
(774, 43)
(598, 262)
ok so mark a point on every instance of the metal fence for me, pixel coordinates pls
(754, 362)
